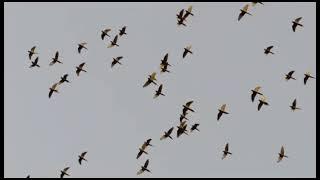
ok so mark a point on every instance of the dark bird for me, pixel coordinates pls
(222, 110)
(167, 134)
(64, 172)
(289, 76)
(182, 129)
(244, 11)
(141, 151)
(183, 116)
(254, 3)
(64, 79)
(188, 12)
(81, 157)
(164, 61)
(181, 18)
(307, 75)
(194, 127)
(54, 88)
(186, 107)
(147, 143)
(158, 92)
(105, 33)
(226, 151)
(164, 68)
(296, 23)
(34, 63)
(122, 31)
(114, 42)
(116, 61)
(28, 176)
(144, 168)
(294, 105)
(151, 79)
(79, 68)
(32, 52)
(281, 154)
(262, 101)
(82, 46)
(255, 91)
(186, 51)
(55, 59)
(268, 50)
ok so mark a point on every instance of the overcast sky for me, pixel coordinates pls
(107, 112)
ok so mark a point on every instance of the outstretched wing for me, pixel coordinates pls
(115, 39)
(294, 103)
(57, 55)
(269, 48)
(189, 103)
(140, 172)
(290, 73)
(165, 59)
(81, 65)
(33, 48)
(66, 169)
(282, 150)
(227, 147)
(147, 83)
(118, 58)
(160, 88)
(298, 19)
(146, 163)
(170, 130)
(83, 154)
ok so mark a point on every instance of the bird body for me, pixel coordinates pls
(281, 154)
(144, 168)
(194, 127)
(80, 68)
(64, 79)
(158, 92)
(151, 79)
(226, 151)
(307, 75)
(167, 134)
(114, 42)
(255, 91)
(222, 110)
(105, 33)
(294, 105)
(262, 101)
(54, 88)
(64, 172)
(244, 11)
(82, 46)
(268, 50)
(116, 61)
(296, 23)
(32, 52)
(289, 76)
(81, 157)
(186, 51)
(55, 59)
(122, 31)
(34, 63)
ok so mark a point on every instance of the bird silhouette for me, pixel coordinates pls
(244, 11)
(158, 92)
(255, 91)
(54, 88)
(307, 75)
(144, 168)
(82, 46)
(268, 50)
(64, 172)
(222, 110)
(186, 107)
(116, 61)
(182, 129)
(289, 76)
(122, 31)
(141, 151)
(80, 68)
(105, 33)
(281, 154)
(164, 68)
(55, 59)
(226, 151)
(194, 127)
(294, 105)
(32, 52)
(262, 101)
(114, 42)
(34, 63)
(167, 134)
(181, 18)
(296, 23)
(183, 115)
(164, 61)
(151, 79)
(186, 51)
(81, 157)
(64, 79)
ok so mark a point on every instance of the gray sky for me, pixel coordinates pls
(107, 112)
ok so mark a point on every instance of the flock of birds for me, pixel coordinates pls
(182, 126)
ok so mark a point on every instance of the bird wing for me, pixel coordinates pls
(188, 47)
(82, 44)
(290, 73)
(118, 58)
(57, 55)
(170, 130)
(65, 76)
(139, 154)
(103, 34)
(282, 150)
(219, 115)
(115, 39)
(146, 163)
(81, 65)
(163, 137)
(160, 88)
(189, 9)
(50, 93)
(294, 103)
(66, 169)
(147, 83)
(227, 147)
(260, 105)
(113, 63)
(79, 48)
(184, 53)
(33, 48)
(83, 154)
(107, 30)
(269, 48)
(294, 26)
(189, 103)
(305, 79)
(36, 60)
(298, 19)
(241, 15)
(181, 14)
(165, 59)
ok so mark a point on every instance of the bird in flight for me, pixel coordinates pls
(222, 110)
(151, 79)
(268, 50)
(32, 52)
(294, 105)
(79, 68)
(307, 75)
(183, 116)
(186, 51)
(182, 129)
(181, 18)
(81, 157)
(158, 92)
(82, 46)
(54, 88)
(188, 12)
(164, 68)
(144, 168)
(105, 33)
(64, 79)
(255, 91)
(226, 151)
(55, 59)
(164, 61)
(34, 63)
(254, 3)
(167, 134)
(289, 76)
(116, 61)
(114, 42)
(262, 101)
(186, 107)
(296, 23)
(194, 127)
(244, 11)
(281, 154)
(64, 172)
(122, 31)
(141, 151)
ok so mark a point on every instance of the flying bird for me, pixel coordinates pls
(105, 33)
(268, 50)
(34, 63)
(55, 59)
(281, 154)
(167, 134)
(158, 92)
(307, 75)
(144, 168)
(186, 107)
(222, 110)
(164, 68)
(81, 157)
(116, 61)
(289, 76)
(294, 105)
(181, 18)
(194, 127)
(255, 91)
(79, 68)
(122, 31)
(262, 101)
(164, 61)
(186, 51)
(32, 52)
(182, 129)
(54, 88)
(226, 151)
(64, 79)
(147, 143)
(82, 46)
(151, 79)
(141, 151)
(296, 23)
(114, 42)
(64, 172)
(244, 11)
(188, 12)
(183, 116)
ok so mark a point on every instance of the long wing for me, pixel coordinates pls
(298, 19)
(227, 147)
(79, 48)
(294, 103)
(170, 130)
(269, 48)
(120, 57)
(36, 60)
(241, 15)
(66, 169)
(113, 63)
(165, 59)
(184, 53)
(65, 76)
(146, 163)
(260, 105)
(81, 65)
(50, 93)
(33, 48)
(83, 154)
(181, 14)
(147, 83)
(290, 73)
(189, 103)
(115, 39)
(305, 79)
(57, 55)
(139, 154)
(294, 26)
(160, 88)
(282, 150)
(162, 137)
(107, 30)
